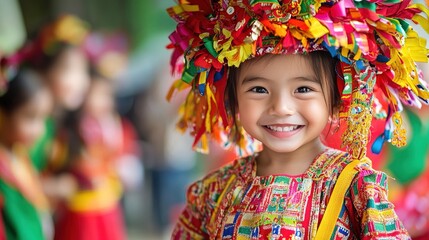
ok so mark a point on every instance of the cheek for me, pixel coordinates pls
(316, 111)
(98, 104)
(21, 131)
(61, 89)
(249, 112)
(27, 132)
(70, 83)
(74, 82)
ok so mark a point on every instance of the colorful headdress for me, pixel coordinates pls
(376, 47)
(67, 29)
(107, 52)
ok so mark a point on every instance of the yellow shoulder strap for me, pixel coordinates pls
(335, 203)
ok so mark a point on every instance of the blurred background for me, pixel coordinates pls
(131, 36)
(127, 45)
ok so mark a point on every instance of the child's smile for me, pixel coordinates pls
(283, 130)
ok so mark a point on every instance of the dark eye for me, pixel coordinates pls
(259, 90)
(303, 90)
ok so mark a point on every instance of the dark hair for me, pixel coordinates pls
(96, 75)
(321, 61)
(20, 90)
(46, 60)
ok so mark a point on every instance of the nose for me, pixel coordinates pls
(282, 105)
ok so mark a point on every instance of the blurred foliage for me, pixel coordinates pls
(35, 13)
(141, 19)
(12, 30)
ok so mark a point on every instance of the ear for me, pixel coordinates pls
(335, 114)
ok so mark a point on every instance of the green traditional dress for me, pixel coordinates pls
(22, 199)
(39, 152)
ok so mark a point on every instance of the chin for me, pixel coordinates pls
(280, 147)
(72, 105)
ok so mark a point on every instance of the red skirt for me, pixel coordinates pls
(102, 225)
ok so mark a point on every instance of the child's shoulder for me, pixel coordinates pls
(334, 161)
(337, 160)
(330, 163)
(368, 176)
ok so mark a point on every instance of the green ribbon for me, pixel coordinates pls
(404, 25)
(398, 26)
(208, 43)
(190, 72)
(365, 4)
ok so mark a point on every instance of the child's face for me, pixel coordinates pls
(27, 123)
(69, 79)
(281, 102)
(100, 99)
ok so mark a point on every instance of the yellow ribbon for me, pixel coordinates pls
(423, 22)
(416, 46)
(178, 9)
(178, 85)
(316, 29)
(210, 98)
(336, 200)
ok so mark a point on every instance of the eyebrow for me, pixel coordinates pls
(310, 79)
(252, 79)
(304, 78)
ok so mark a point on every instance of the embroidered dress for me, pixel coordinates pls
(234, 203)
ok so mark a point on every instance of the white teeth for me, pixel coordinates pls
(282, 129)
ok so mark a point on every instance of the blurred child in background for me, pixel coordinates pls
(56, 53)
(101, 119)
(100, 145)
(102, 128)
(23, 109)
